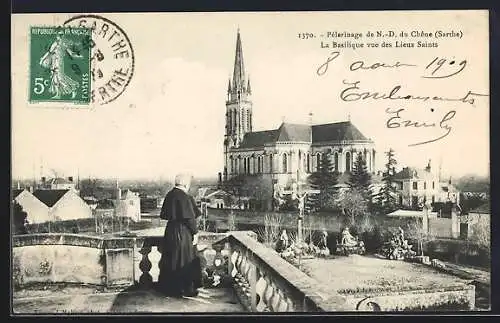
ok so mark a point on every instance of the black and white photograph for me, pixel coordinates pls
(239, 162)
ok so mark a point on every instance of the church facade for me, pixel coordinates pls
(289, 153)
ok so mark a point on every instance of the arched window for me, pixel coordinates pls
(285, 163)
(244, 165)
(271, 167)
(348, 162)
(318, 161)
(308, 163)
(232, 164)
(336, 162)
(235, 122)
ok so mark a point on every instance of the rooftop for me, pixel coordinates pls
(483, 208)
(288, 132)
(49, 197)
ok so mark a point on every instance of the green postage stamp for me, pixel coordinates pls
(60, 64)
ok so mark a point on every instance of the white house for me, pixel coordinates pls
(128, 204)
(417, 186)
(63, 204)
(37, 211)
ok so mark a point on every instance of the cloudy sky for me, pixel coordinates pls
(171, 116)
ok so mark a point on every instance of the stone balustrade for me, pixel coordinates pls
(265, 282)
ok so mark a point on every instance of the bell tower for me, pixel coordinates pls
(238, 105)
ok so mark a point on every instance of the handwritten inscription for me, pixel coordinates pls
(437, 68)
(397, 121)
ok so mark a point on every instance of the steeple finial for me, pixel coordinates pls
(249, 88)
(229, 86)
(239, 67)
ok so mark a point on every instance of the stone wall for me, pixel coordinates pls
(71, 258)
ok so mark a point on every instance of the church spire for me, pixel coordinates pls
(239, 67)
(229, 86)
(249, 88)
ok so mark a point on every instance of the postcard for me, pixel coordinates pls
(250, 162)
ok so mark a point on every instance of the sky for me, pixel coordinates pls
(170, 118)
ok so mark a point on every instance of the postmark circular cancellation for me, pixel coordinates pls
(111, 57)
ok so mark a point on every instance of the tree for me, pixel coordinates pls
(19, 218)
(415, 231)
(325, 181)
(353, 205)
(234, 186)
(360, 178)
(385, 200)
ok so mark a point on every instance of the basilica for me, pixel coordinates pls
(290, 152)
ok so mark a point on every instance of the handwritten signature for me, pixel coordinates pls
(397, 121)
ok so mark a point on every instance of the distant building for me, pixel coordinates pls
(64, 204)
(128, 204)
(479, 215)
(57, 183)
(37, 211)
(215, 198)
(417, 186)
(148, 203)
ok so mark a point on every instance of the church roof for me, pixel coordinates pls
(49, 197)
(288, 132)
(338, 131)
(258, 138)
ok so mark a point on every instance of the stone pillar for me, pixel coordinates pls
(425, 218)
(455, 223)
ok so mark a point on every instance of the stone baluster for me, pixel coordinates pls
(260, 289)
(234, 258)
(268, 294)
(146, 280)
(275, 299)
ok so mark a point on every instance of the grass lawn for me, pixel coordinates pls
(348, 275)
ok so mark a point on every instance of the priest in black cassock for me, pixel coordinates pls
(179, 264)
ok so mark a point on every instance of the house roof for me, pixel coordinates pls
(289, 132)
(59, 180)
(483, 208)
(16, 192)
(49, 197)
(105, 204)
(412, 172)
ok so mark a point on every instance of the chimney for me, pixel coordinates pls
(428, 168)
(18, 185)
(220, 179)
(70, 179)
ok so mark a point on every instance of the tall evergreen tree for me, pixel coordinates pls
(324, 180)
(360, 179)
(386, 199)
